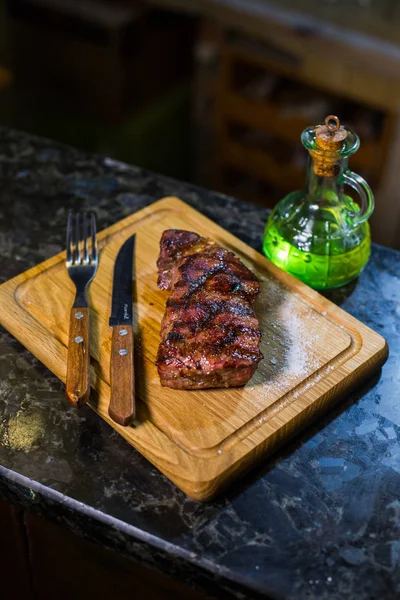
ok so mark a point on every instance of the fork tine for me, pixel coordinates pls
(77, 238)
(69, 239)
(85, 240)
(93, 234)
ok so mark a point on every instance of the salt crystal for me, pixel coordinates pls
(298, 355)
(294, 330)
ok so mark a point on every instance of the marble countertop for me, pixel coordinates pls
(320, 520)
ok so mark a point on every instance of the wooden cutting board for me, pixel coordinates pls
(314, 352)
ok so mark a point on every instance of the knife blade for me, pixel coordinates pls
(122, 376)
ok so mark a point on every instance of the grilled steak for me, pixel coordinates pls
(210, 335)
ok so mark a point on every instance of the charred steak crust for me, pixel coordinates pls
(210, 336)
(172, 248)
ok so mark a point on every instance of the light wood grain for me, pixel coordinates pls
(77, 388)
(200, 439)
(122, 376)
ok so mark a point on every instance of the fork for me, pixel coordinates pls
(81, 263)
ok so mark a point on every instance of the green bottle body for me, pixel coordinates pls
(316, 243)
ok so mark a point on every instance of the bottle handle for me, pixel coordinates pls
(366, 195)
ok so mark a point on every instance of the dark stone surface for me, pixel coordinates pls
(321, 520)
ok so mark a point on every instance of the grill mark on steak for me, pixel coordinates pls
(187, 332)
(210, 335)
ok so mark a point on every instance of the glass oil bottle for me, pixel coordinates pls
(320, 235)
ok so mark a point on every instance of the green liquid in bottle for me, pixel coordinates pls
(320, 271)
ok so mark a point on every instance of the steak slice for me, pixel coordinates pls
(210, 336)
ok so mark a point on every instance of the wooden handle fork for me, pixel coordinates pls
(78, 363)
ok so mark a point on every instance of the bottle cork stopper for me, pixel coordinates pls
(330, 137)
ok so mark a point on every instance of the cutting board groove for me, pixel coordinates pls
(201, 439)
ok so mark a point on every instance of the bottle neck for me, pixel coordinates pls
(323, 188)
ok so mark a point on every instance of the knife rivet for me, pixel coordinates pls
(123, 332)
(78, 339)
(79, 315)
(123, 352)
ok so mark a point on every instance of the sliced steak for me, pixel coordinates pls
(210, 335)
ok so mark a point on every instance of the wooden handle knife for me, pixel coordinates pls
(122, 374)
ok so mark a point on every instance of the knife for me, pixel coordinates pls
(122, 377)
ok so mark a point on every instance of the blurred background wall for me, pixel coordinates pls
(212, 91)
(106, 77)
